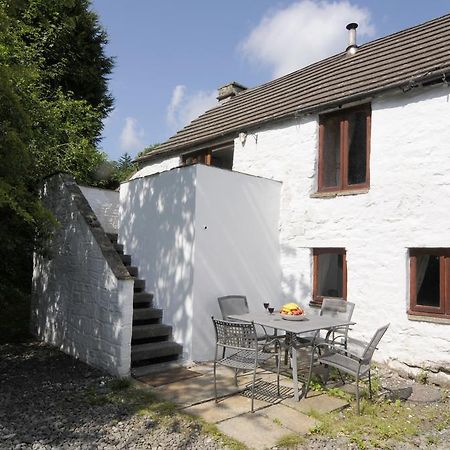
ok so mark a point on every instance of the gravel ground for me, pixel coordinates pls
(43, 405)
(48, 401)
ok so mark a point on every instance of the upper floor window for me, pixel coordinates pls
(430, 281)
(330, 274)
(344, 147)
(221, 157)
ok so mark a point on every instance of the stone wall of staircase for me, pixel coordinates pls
(82, 292)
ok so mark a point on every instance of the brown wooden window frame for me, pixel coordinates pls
(342, 117)
(443, 310)
(316, 298)
(202, 157)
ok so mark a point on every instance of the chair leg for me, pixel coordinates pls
(370, 386)
(215, 382)
(235, 377)
(278, 372)
(310, 373)
(253, 389)
(357, 395)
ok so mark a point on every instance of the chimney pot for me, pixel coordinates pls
(352, 47)
(228, 91)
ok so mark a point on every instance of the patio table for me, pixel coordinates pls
(307, 325)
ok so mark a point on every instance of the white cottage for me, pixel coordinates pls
(332, 181)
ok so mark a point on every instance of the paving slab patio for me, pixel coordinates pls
(255, 430)
(226, 408)
(290, 418)
(322, 403)
(197, 390)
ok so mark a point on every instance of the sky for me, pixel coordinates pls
(172, 55)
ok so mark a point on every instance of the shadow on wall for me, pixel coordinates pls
(298, 287)
(157, 229)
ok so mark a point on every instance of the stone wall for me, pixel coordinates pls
(406, 206)
(82, 293)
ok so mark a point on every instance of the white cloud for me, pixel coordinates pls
(304, 32)
(131, 136)
(185, 106)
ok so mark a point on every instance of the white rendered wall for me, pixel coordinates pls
(157, 167)
(188, 266)
(79, 305)
(105, 204)
(157, 230)
(236, 247)
(407, 206)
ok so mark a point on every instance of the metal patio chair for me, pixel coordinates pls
(331, 307)
(353, 362)
(237, 305)
(238, 344)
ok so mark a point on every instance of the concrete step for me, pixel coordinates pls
(156, 330)
(146, 315)
(112, 237)
(126, 259)
(119, 248)
(155, 351)
(142, 299)
(141, 371)
(139, 285)
(133, 271)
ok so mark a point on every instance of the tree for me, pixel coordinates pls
(53, 97)
(68, 43)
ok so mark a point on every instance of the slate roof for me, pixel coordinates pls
(403, 60)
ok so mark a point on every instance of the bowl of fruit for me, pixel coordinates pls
(292, 311)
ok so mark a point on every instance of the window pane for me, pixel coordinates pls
(330, 275)
(427, 280)
(331, 155)
(357, 147)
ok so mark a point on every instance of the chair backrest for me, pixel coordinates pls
(233, 305)
(372, 345)
(237, 335)
(336, 307)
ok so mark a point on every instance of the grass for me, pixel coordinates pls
(290, 441)
(383, 422)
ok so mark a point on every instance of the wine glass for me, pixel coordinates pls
(266, 305)
(271, 309)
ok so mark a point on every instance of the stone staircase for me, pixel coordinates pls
(152, 348)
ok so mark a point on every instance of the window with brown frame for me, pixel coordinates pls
(203, 157)
(329, 274)
(430, 282)
(344, 149)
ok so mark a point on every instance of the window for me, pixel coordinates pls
(344, 147)
(430, 282)
(196, 158)
(221, 157)
(330, 274)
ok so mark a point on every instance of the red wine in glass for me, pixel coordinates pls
(271, 309)
(266, 305)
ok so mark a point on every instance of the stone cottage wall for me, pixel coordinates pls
(406, 206)
(82, 293)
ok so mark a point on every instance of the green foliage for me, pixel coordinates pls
(53, 97)
(67, 42)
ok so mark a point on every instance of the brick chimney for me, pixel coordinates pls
(228, 91)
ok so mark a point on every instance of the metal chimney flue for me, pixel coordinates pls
(352, 47)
